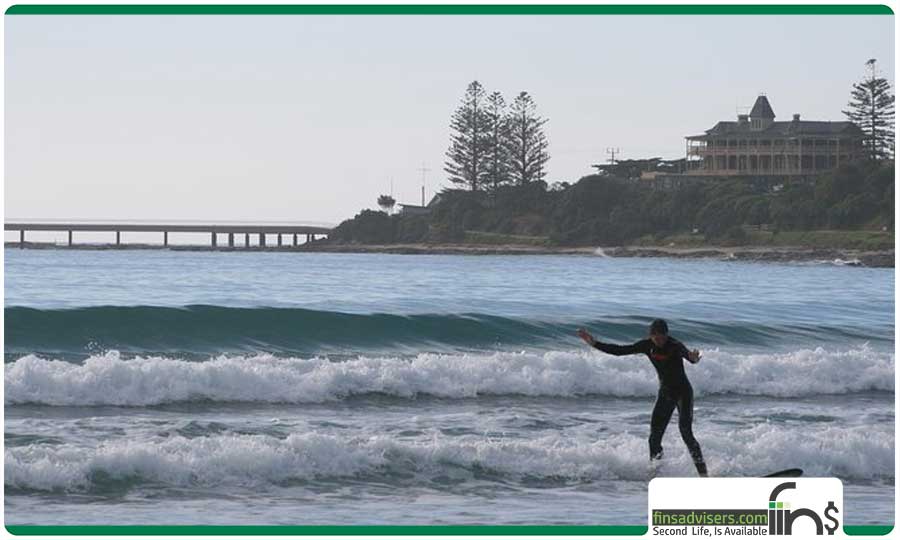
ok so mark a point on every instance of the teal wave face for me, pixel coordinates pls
(206, 329)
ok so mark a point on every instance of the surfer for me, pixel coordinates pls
(675, 391)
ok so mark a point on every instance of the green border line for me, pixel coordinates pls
(364, 530)
(867, 530)
(450, 9)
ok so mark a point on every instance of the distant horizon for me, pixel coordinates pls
(307, 119)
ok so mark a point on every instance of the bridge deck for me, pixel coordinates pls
(249, 228)
(213, 229)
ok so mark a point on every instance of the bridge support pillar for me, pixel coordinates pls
(213, 239)
(279, 239)
(22, 238)
(70, 238)
(262, 239)
(295, 239)
(231, 239)
(165, 238)
(118, 238)
(246, 239)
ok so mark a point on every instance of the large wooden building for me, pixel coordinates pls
(757, 145)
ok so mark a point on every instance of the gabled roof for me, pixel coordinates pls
(762, 109)
(740, 130)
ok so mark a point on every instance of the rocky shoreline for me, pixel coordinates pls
(873, 259)
(846, 257)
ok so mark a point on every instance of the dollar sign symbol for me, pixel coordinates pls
(831, 507)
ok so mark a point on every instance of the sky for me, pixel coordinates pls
(309, 118)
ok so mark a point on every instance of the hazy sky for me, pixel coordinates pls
(306, 118)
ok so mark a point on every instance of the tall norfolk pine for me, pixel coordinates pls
(527, 144)
(871, 107)
(466, 158)
(491, 145)
(497, 171)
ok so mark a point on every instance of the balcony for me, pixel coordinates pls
(703, 151)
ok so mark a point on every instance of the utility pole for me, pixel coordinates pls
(423, 169)
(612, 154)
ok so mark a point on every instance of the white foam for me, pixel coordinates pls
(109, 379)
(847, 262)
(240, 460)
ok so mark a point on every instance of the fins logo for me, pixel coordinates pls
(781, 516)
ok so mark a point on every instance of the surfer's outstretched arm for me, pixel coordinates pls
(622, 350)
(615, 350)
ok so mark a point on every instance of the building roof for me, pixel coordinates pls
(417, 208)
(738, 130)
(762, 109)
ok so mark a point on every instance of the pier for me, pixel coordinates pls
(227, 232)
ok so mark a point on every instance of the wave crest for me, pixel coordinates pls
(216, 329)
(109, 379)
(242, 460)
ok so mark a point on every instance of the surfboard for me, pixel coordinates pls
(787, 473)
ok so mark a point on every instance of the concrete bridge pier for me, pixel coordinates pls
(286, 234)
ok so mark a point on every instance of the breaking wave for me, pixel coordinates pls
(251, 460)
(110, 379)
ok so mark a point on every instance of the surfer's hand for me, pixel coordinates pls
(694, 356)
(586, 336)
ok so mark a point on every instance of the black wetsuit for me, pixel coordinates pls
(675, 391)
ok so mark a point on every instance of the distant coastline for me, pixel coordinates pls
(848, 257)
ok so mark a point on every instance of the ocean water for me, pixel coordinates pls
(156, 387)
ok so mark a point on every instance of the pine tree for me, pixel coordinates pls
(497, 156)
(386, 202)
(527, 144)
(466, 162)
(871, 107)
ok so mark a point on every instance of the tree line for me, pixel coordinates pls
(603, 210)
(492, 144)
